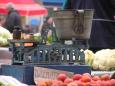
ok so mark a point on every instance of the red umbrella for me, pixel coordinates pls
(24, 7)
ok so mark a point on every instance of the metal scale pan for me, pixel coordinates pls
(73, 23)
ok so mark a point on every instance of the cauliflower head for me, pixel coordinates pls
(104, 59)
(4, 36)
(89, 56)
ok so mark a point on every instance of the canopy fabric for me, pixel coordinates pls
(24, 7)
(18, 1)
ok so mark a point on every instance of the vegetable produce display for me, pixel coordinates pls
(102, 60)
(4, 36)
(36, 37)
(10, 81)
(79, 80)
(89, 57)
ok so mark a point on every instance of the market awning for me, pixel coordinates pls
(24, 7)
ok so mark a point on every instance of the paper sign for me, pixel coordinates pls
(46, 73)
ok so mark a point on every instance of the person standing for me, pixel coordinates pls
(103, 25)
(4, 33)
(103, 28)
(48, 31)
(44, 31)
(13, 18)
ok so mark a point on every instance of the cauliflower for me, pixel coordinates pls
(104, 59)
(4, 36)
(89, 56)
(3, 41)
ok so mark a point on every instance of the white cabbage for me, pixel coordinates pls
(4, 36)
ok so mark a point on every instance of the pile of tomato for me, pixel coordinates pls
(79, 80)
